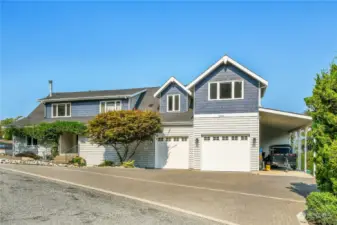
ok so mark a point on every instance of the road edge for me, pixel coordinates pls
(125, 196)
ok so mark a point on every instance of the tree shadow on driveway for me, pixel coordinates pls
(302, 189)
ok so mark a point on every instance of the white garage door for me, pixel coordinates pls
(225, 153)
(172, 152)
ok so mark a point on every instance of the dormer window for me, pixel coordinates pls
(61, 110)
(107, 106)
(225, 90)
(173, 103)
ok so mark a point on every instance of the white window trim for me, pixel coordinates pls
(115, 101)
(173, 102)
(57, 116)
(31, 142)
(218, 90)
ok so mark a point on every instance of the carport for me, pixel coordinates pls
(276, 127)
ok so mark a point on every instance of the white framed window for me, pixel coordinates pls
(61, 110)
(216, 138)
(106, 106)
(31, 141)
(168, 139)
(225, 138)
(235, 138)
(175, 139)
(225, 90)
(207, 138)
(184, 139)
(244, 138)
(173, 103)
(160, 139)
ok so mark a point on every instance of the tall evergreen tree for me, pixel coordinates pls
(322, 107)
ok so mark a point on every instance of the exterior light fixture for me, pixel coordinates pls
(196, 142)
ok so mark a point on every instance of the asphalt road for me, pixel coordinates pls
(29, 200)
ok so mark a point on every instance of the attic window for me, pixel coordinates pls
(61, 110)
(173, 103)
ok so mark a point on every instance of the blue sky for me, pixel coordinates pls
(106, 45)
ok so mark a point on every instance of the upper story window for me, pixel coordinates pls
(110, 106)
(225, 90)
(173, 103)
(61, 110)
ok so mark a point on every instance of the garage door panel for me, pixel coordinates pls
(172, 153)
(225, 153)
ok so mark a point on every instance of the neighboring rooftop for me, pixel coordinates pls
(82, 95)
(148, 102)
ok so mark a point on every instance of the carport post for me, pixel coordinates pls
(305, 148)
(299, 150)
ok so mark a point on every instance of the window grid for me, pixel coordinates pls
(31, 141)
(244, 138)
(216, 138)
(106, 106)
(61, 110)
(225, 138)
(207, 138)
(235, 138)
(173, 103)
(175, 139)
(216, 93)
(184, 139)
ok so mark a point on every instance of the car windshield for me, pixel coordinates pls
(282, 150)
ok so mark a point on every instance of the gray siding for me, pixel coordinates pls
(85, 108)
(135, 101)
(173, 88)
(226, 73)
(48, 110)
(227, 125)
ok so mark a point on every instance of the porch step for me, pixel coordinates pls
(64, 158)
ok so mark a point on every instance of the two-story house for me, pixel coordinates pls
(216, 122)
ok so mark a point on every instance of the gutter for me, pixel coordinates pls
(85, 98)
(182, 123)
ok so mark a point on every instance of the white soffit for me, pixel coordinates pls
(225, 60)
(282, 113)
(168, 82)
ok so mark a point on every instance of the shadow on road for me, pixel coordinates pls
(302, 189)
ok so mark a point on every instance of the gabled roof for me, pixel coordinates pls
(168, 82)
(225, 60)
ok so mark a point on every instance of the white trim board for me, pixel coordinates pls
(84, 98)
(285, 113)
(225, 115)
(225, 60)
(168, 82)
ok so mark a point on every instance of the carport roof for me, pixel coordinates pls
(282, 120)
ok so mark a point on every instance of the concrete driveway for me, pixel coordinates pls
(228, 198)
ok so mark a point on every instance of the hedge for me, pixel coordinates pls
(322, 208)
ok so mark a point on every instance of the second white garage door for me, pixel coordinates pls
(172, 152)
(225, 153)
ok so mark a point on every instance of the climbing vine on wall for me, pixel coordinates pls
(48, 134)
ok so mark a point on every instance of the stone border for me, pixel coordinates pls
(301, 218)
(32, 162)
